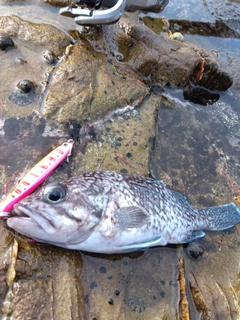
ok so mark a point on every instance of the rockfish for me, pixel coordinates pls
(109, 212)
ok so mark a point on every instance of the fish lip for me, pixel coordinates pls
(20, 211)
(39, 217)
(21, 214)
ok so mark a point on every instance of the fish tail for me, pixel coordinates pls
(220, 217)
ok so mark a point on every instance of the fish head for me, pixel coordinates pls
(58, 213)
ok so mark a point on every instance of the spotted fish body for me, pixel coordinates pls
(108, 212)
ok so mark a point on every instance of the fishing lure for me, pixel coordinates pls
(36, 176)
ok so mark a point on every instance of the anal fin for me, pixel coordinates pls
(189, 237)
(141, 246)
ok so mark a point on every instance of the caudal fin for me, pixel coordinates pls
(221, 217)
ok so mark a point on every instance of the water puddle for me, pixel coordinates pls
(40, 12)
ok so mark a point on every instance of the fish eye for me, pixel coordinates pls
(54, 193)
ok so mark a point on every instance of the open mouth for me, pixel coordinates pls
(37, 217)
(22, 223)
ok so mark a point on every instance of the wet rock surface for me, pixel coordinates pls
(41, 35)
(217, 28)
(126, 277)
(37, 281)
(225, 11)
(220, 251)
(25, 62)
(233, 69)
(106, 68)
(156, 56)
(87, 85)
(201, 152)
(122, 143)
(113, 87)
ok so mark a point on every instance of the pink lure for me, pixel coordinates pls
(36, 176)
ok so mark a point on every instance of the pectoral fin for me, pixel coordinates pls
(131, 217)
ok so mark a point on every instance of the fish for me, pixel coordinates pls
(35, 176)
(109, 212)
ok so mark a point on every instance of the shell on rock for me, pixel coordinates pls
(177, 36)
(5, 42)
(49, 57)
(195, 250)
(25, 93)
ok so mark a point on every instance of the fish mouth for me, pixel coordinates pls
(29, 220)
(20, 212)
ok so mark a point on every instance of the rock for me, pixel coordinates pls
(160, 58)
(218, 28)
(226, 11)
(57, 3)
(197, 148)
(140, 301)
(121, 143)
(42, 35)
(145, 288)
(212, 291)
(39, 280)
(26, 62)
(233, 68)
(86, 85)
(212, 77)
(209, 75)
(200, 95)
(150, 54)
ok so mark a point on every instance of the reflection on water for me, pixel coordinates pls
(39, 11)
(191, 10)
(197, 152)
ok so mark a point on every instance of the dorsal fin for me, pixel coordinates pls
(182, 198)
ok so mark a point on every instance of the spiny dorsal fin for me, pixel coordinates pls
(131, 217)
(182, 198)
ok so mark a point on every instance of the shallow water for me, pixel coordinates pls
(192, 11)
(197, 152)
(39, 12)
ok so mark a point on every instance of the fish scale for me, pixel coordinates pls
(109, 212)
